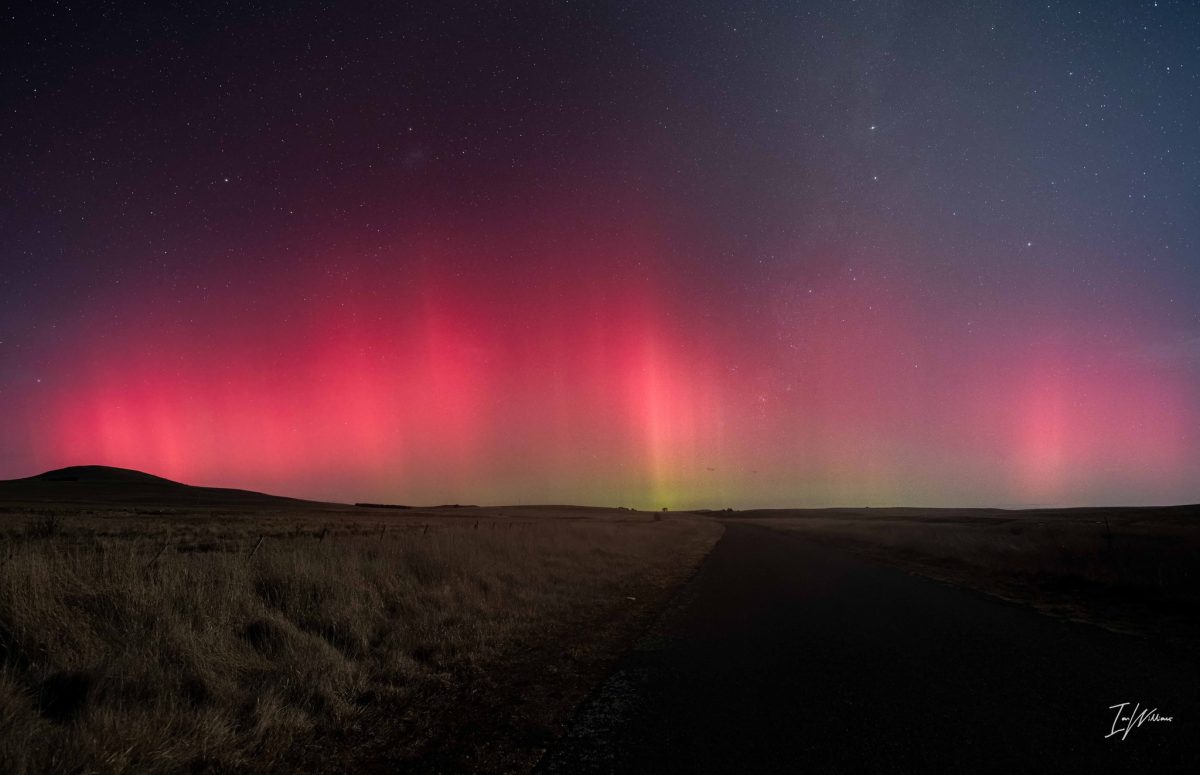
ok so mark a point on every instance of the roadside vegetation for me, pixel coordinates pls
(1135, 570)
(185, 640)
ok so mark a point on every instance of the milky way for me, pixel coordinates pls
(673, 254)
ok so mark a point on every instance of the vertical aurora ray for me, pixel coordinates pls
(420, 385)
(644, 254)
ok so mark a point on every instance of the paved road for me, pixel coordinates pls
(785, 656)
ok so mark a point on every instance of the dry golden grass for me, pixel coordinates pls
(1136, 570)
(167, 642)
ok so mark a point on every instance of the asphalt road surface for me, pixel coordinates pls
(782, 655)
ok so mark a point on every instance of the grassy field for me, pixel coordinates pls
(167, 639)
(1134, 570)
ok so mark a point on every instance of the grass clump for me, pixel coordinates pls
(116, 655)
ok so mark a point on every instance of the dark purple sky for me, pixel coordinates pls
(661, 253)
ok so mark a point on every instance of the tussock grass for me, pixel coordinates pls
(126, 652)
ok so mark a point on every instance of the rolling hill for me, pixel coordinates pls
(108, 486)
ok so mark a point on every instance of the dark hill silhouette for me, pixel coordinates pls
(115, 486)
(99, 474)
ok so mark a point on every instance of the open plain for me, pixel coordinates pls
(149, 626)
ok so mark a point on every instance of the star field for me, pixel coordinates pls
(671, 253)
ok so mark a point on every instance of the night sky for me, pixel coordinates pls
(648, 254)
